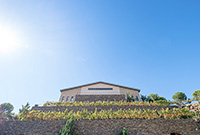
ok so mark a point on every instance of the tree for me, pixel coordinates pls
(179, 96)
(69, 128)
(124, 131)
(162, 98)
(6, 110)
(23, 107)
(130, 97)
(144, 97)
(155, 97)
(196, 94)
(2, 116)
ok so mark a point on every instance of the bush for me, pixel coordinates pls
(162, 102)
(69, 128)
(124, 132)
(130, 98)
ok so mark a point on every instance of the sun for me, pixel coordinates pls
(9, 41)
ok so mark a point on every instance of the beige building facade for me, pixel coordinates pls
(97, 88)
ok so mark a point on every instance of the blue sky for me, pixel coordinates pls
(150, 45)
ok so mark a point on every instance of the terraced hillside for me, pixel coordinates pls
(107, 118)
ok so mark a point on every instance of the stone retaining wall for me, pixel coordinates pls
(91, 98)
(99, 108)
(137, 127)
(47, 127)
(103, 127)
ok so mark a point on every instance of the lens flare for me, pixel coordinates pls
(9, 41)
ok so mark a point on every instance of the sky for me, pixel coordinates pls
(49, 45)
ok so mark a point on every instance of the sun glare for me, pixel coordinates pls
(9, 41)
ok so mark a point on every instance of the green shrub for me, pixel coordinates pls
(69, 128)
(162, 102)
(124, 132)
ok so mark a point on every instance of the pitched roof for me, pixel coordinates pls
(103, 83)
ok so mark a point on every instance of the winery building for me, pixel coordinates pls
(98, 91)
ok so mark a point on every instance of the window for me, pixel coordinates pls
(72, 99)
(63, 98)
(100, 88)
(67, 98)
(137, 98)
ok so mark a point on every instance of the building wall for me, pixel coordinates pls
(70, 93)
(132, 92)
(85, 91)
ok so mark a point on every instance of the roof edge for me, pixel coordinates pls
(97, 83)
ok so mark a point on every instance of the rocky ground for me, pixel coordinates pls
(194, 106)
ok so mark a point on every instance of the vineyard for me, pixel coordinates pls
(107, 103)
(175, 113)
